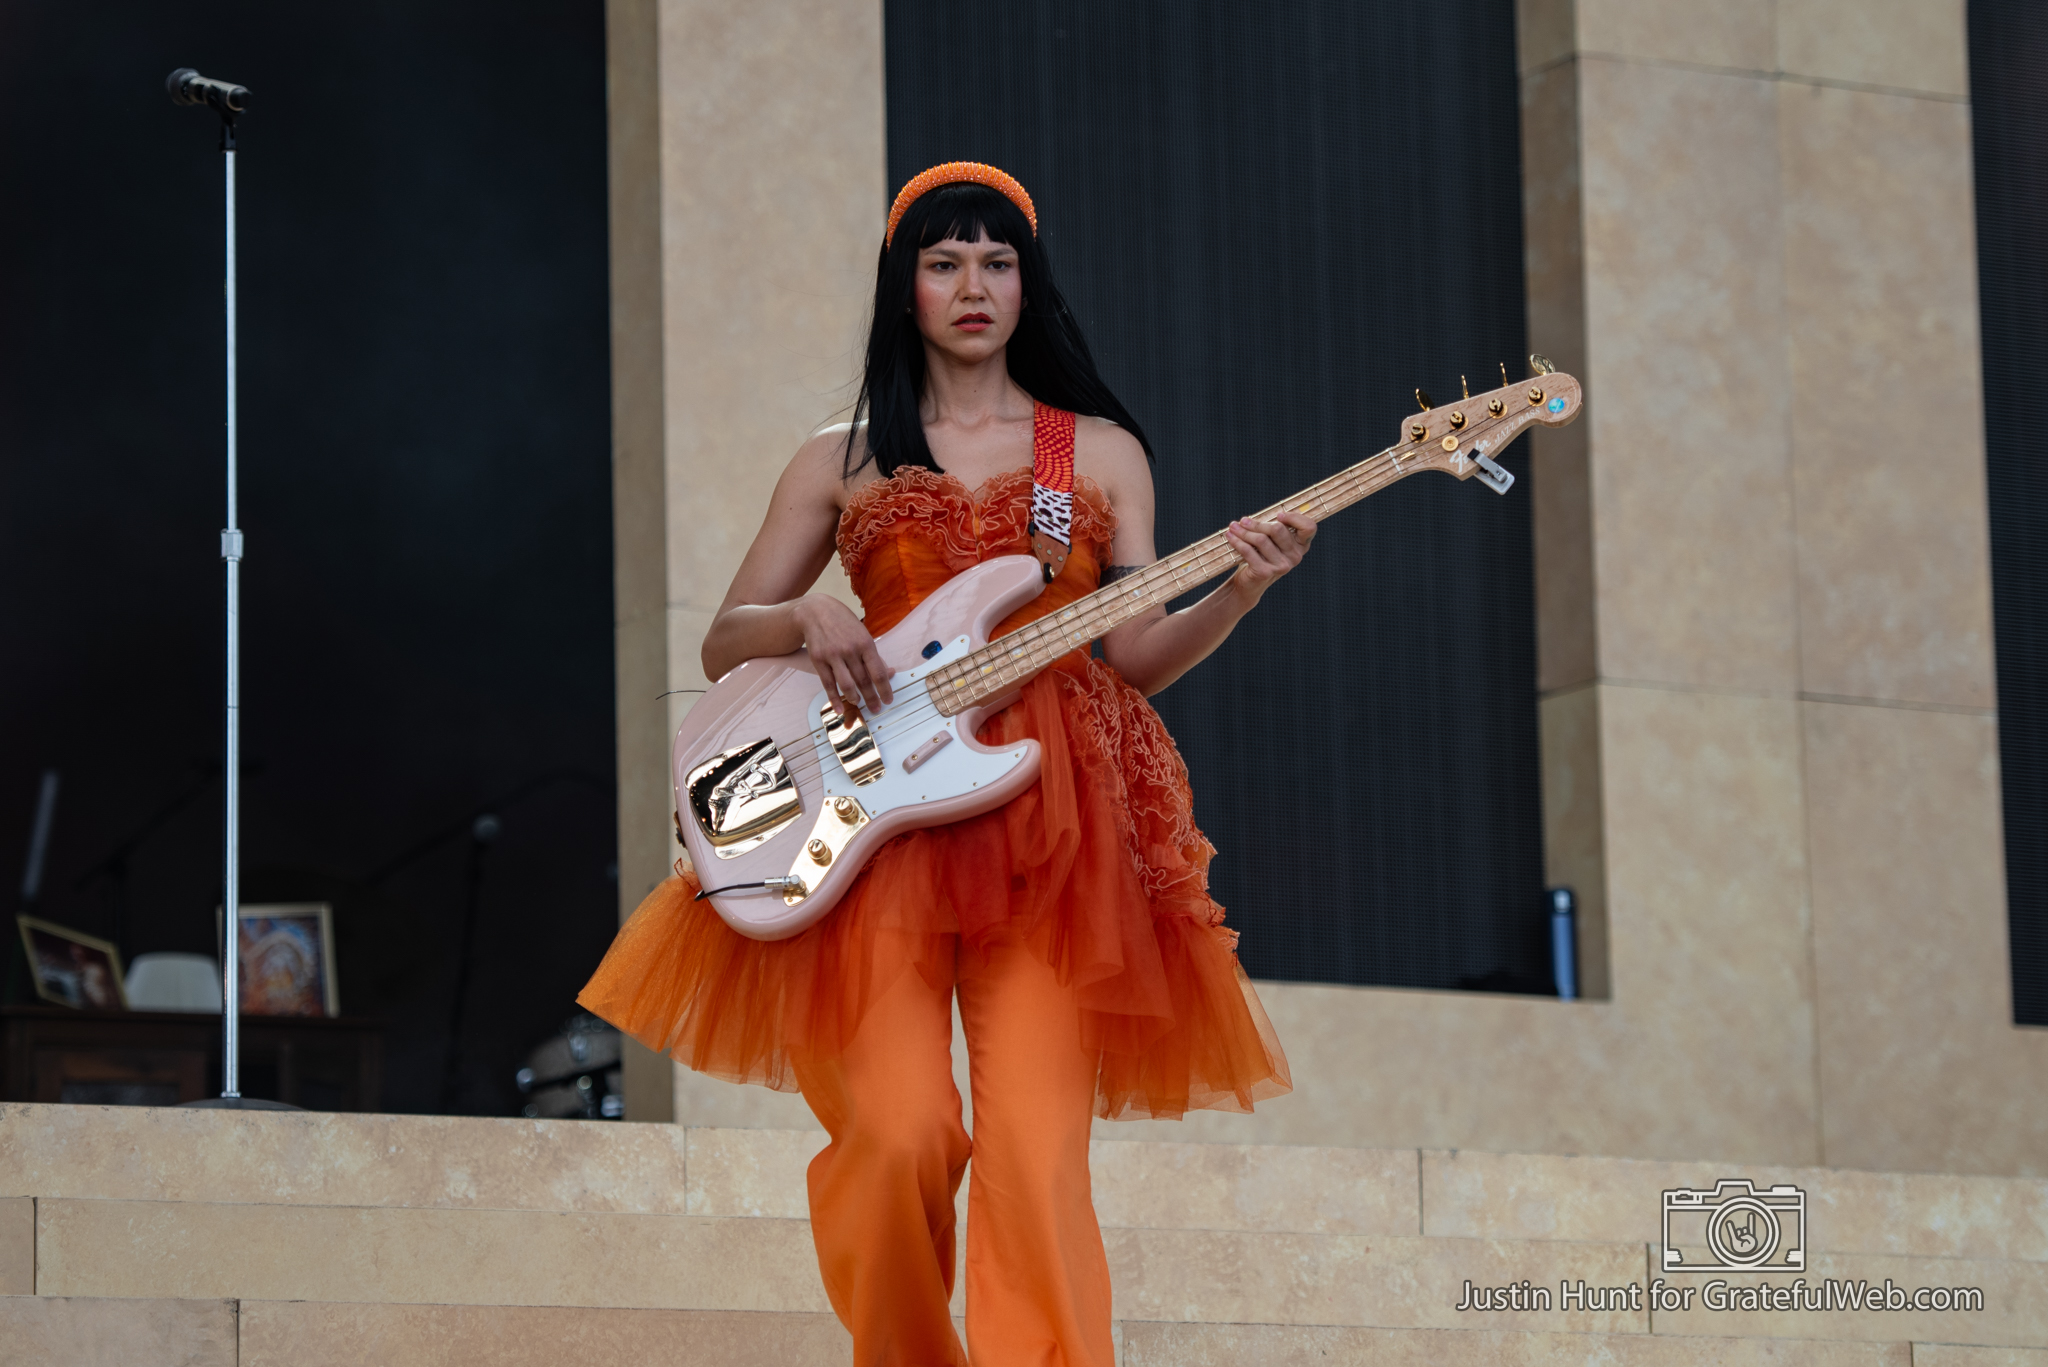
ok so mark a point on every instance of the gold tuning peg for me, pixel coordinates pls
(1466, 388)
(1541, 364)
(1503, 373)
(1423, 399)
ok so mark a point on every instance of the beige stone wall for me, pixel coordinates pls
(1769, 738)
(747, 197)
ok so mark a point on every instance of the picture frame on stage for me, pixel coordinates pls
(71, 969)
(287, 959)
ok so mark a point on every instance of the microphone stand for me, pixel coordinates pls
(231, 554)
(189, 87)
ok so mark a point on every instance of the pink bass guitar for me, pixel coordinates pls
(780, 802)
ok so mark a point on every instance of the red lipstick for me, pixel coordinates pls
(973, 322)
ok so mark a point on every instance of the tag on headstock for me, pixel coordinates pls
(1462, 439)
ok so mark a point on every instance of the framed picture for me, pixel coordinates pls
(287, 957)
(72, 969)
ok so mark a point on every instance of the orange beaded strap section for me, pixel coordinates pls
(1052, 488)
(954, 173)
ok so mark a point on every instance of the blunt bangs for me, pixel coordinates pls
(963, 213)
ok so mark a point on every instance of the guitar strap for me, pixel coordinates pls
(1052, 488)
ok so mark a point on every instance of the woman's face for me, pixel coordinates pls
(969, 295)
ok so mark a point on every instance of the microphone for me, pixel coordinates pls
(187, 86)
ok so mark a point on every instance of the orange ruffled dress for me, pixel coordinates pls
(1100, 863)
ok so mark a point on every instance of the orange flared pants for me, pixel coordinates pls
(882, 1191)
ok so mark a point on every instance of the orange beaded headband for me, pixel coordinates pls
(953, 173)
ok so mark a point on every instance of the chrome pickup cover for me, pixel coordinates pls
(856, 748)
(743, 796)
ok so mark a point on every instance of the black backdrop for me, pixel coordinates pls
(2009, 95)
(1274, 221)
(427, 613)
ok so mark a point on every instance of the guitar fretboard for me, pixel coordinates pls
(1008, 661)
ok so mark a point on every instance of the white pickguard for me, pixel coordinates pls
(900, 729)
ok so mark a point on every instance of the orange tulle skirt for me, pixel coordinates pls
(1102, 853)
(1100, 862)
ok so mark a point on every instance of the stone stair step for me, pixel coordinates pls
(37, 1331)
(438, 1162)
(455, 1163)
(1459, 1194)
(1149, 1185)
(1963, 1355)
(167, 1153)
(207, 1250)
(2015, 1300)
(1267, 1345)
(1551, 1196)
(17, 1246)
(199, 1250)
(95, 1332)
(1226, 1277)
(306, 1334)
(1137, 1185)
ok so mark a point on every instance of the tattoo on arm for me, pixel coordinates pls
(1116, 572)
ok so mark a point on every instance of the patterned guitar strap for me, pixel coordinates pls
(1052, 489)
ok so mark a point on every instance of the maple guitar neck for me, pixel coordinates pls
(1459, 440)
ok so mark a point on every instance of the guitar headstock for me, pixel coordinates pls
(1462, 438)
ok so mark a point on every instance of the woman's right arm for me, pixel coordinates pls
(769, 611)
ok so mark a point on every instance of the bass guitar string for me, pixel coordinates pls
(1025, 640)
(1343, 486)
(1103, 610)
(1207, 559)
(1189, 568)
(806, 761)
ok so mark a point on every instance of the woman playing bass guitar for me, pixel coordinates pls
(1093, 971)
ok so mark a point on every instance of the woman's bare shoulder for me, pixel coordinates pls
(1113, 458)
(818, 469)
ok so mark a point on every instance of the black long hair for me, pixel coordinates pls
(1048, 357)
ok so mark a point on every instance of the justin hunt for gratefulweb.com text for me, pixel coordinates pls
(1826, 1294)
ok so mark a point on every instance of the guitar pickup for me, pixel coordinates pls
(741, 797)
(927, 750)
(853, 743)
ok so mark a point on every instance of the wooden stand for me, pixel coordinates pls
(162, 1058)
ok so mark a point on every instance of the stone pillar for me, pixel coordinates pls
(1920, 1064)
(1763, 577)
(747, 194)
(639, 529)
(1667, 616)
